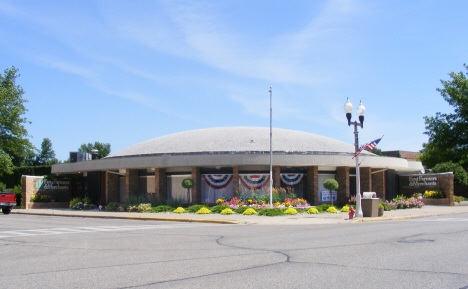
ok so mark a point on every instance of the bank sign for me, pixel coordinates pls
(419, 182)
(52, 185)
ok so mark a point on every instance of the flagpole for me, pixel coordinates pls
(271, 151)
(358, 175)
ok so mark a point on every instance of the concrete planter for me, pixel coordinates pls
(440, 202)
(50, 205)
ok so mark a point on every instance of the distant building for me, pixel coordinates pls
(409, 156)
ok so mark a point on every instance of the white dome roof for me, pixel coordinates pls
(231, 140)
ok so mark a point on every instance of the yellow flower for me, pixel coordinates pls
(312, 211)
(290, 211)
(227, 211)
(179, 210)
(250, 211)
(219, 201)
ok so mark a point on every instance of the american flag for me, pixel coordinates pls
(371, 145)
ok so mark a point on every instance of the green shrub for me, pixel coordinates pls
(195, 208)
(271, 212)
(290, 211)
(75, 201)
(87, 200)
(179, 210)
(386, 206)
(242, 209)
(160, 209)
(143, 207)
(312, 211)
(458, 199)
(132, 208)
(332, 210)
(3, 187)
(381, 206)
(227, 211)
(460, 176)
(112, 207)
(323, 208)
(250, 211)
(218, 209)
(204, 210)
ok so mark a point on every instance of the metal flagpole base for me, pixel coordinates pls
(358, 206)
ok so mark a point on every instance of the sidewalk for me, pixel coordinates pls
(299, 219)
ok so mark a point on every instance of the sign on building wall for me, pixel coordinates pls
(326, 196)
(418, 183)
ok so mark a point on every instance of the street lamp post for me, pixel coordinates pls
(271, 150)
(361, 110)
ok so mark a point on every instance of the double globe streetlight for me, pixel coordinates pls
(361, 110)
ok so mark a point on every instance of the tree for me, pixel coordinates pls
(331, 185)
(104, 149)
(14, 144)
(448, 140)
(375, 151)
(460, 176)
(188, 184)
(47, 154)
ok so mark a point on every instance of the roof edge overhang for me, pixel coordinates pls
(201, 160)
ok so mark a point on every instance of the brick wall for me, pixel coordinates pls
(366, 179)
(342, 177)
(276, 177)
(160, 183)
(379, 184)
(446, 186)
(196, 190)
(32, 185)
(132, 183)
(112, 190)
(311, 193)
(235, 180)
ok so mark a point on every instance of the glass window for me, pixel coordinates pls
(175, 191)
(215, 186)
(321, 179)
(295, 182)
(254, 183)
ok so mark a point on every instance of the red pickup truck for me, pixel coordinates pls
(7, 201)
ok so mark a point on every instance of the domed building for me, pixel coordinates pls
(225, 162)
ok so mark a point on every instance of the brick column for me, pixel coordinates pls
(196, 190)
(312, 193)
(160, 183)
(235, 181)
(379, 184)
(112, 189)
(276, 177)
(366, 179)
(131, 183)
(342, 177)
(446, 186)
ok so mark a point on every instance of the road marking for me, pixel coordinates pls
(75, 230)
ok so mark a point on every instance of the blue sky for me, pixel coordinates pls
(122, 72)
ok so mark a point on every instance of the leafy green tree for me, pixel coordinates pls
(331, 185)
(104, 149)
(47, 154)
(448, 140)
(375, 151)
(14, 144)
(460, 177)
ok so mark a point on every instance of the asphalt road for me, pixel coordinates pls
(63, 252)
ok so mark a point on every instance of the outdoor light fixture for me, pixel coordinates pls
(361, 110)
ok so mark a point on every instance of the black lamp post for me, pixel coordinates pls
(361, 110)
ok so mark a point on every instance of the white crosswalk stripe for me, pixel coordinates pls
(75, 230)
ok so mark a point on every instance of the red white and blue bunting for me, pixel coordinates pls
(218, 181)
(291, 180)
(254, 182)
